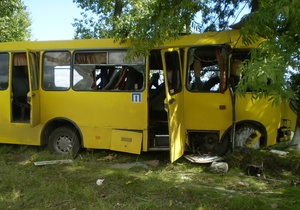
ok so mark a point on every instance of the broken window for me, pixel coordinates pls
(207, 69)
(107, 71)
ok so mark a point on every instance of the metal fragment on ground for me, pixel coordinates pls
(202, 158)
(51, 162)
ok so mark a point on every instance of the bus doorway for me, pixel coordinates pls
(20, 88)
(25, 96)
(166, 130)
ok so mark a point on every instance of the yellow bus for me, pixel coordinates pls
(85, 94)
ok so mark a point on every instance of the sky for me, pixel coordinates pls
(52, 19)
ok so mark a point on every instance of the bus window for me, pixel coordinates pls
(4, 60)
(206, 67)
(107, 71)
(56, 70)
(173, 72)
(238, 59)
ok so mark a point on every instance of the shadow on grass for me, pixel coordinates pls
(181, 185)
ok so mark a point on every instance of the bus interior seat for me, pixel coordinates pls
(113, 80)
(121, 80)
(134, 77)
(102, 77)
(20, 90)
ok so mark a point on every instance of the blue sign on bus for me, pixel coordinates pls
(136, 97)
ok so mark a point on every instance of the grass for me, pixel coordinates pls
(181, 185)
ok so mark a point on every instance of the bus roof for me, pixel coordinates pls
(230, 37)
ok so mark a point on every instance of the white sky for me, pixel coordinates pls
(52, 19)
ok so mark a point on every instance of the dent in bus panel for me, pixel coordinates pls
(56, 70)
(126, 141)
(206, 69)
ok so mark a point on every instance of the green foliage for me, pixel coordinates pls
(278, 22)
(150, 23)
(265, 75)
(14, 21)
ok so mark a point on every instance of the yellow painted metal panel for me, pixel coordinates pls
(174, 105)
(96, 137)
(102, 109)
(34, 93)
(207, 111)
(262, 111)
(20, 133)
(126, 141)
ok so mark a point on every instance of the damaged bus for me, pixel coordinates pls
(85, 94)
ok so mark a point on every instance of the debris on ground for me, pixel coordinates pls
(255, 170)
(144, 164)
(279, 152)
(51, 162)
(219, 167)
(243, 184)
(202, 158)
(129, 165)
(99, 181)
(153, 163)
(109, 157)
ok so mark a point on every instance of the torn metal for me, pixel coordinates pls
(202, 158)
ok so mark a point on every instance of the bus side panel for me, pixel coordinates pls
(15, 133)
(97, 113)
(207, 111)
(20, 133)
(126, 141)
(212, 111)
(261, 111)
(5, 109)
(95, 137)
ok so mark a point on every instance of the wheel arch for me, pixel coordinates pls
(256, 124)
(54, 123)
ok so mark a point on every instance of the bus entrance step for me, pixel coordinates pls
(161, 140)
(161, 149)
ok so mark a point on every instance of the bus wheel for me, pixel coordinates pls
(64, 140)
(247, 136)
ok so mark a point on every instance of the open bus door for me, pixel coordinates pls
(33, 96)
(174, 101)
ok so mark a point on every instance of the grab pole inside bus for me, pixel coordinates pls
(232, 94)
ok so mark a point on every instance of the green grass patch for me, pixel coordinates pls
(181, 185)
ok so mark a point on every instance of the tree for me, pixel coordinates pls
(14, 21)
(277, 21)
(148, 23)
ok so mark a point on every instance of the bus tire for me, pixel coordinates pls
(64, 140)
